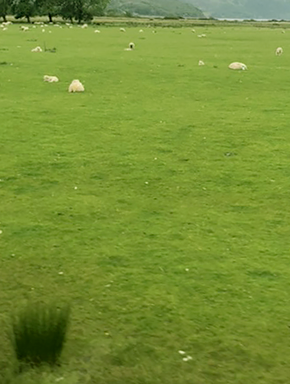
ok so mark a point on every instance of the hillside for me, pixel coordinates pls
(155, 7)
(258, 9)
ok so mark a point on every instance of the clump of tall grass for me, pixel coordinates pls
(39, 333)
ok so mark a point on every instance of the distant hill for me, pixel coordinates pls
(155, 8)
(255, 9)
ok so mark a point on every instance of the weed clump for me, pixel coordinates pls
(38, 334)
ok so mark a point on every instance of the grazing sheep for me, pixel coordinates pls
(279, 51)
(122, 30)
(130, 48)
(193, 30)
(97, 31)
(84, 26)
(200, 63)
(4, 29)
(50, 79)
(36, 49)
(76, 86)
(202, 35)
(43, 30)
(23, 28)
(238, 66)
(141, 31)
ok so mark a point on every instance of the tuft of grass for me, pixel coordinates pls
(38, 334)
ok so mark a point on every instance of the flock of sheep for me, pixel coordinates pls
(77, 86)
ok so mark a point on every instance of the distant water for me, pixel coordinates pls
(246, 18)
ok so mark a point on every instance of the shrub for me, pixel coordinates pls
(38, 334)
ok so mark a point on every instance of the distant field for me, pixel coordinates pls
(156, 203)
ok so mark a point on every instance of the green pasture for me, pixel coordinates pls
(156, 203)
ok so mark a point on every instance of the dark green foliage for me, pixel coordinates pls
(82, 10)
(5, 8)
(79, 10)
(50, 8)
(39, 334)
(24, 8)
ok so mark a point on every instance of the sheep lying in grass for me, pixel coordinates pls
(50, 79)
(200, 63)
(122, 30)
(36, 49)
(97, 31)
(141, 31)
(23, 28)
(238, 66)
(76, 86)
(279, 51)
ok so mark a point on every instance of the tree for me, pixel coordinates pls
(24, 8)
(82, 10)
(50, 8)
(4, 8)
(67, 10)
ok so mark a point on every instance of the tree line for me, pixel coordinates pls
(72, 10)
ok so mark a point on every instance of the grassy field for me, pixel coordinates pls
(156, 203)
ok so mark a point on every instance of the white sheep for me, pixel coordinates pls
(130, 48)
(279, 51)
(202, 35)
(36, 49)
(50, 79)
(141, 31)
(84, 26)
(238, 66)
(23, 28)
(200, 63)
(122, 30)
(76, 86)
(97, 31)
(193, 30)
